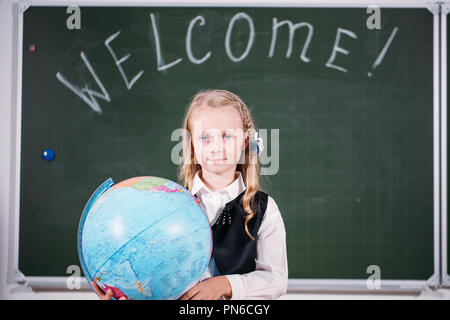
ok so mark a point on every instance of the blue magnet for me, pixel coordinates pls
(48, 154)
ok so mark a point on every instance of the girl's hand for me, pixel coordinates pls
(102, 295)
(209, 289)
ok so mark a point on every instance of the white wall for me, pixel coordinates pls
(8, 225)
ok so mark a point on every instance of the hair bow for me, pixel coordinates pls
(257, 145)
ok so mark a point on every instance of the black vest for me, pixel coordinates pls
(234, 251)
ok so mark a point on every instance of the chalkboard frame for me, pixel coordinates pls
(439, 135)
(445, 278)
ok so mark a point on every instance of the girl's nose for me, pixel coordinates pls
(217, 146)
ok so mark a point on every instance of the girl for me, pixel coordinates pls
(220, 168)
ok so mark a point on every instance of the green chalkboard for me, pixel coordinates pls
(352, 107)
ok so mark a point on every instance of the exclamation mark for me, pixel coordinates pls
(383, 52)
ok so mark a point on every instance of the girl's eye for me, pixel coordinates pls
(228, 136)
(204, 138)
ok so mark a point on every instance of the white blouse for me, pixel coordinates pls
(269, 280)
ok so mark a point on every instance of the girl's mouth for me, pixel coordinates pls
(222, 160)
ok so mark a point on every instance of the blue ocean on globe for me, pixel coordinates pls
(144, 238)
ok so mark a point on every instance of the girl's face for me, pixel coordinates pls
(218, 137)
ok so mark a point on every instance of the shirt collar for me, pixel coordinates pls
(232, 190)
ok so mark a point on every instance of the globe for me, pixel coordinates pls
(144, 238)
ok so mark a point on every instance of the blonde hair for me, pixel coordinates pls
(249, 169)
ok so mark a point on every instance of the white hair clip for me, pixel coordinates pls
(257, 145)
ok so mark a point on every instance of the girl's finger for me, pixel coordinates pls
(188, 295)
(197, 296)
(185, 296)
(108, 294)
(97, 289)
